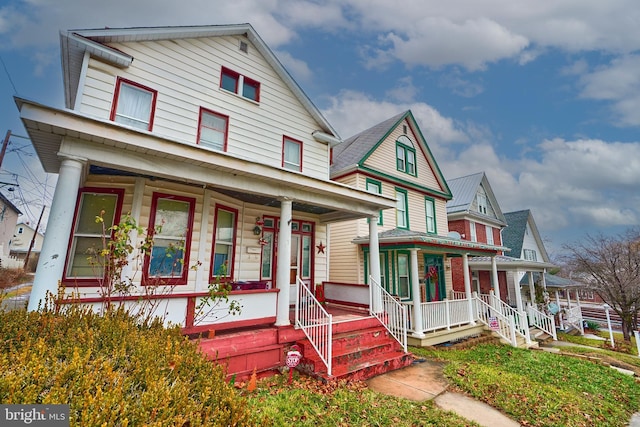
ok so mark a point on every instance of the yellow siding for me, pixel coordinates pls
(384, 160)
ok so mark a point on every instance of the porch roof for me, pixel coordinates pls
(451, 246)
(508, 263)
(59, 133)
(553, 281)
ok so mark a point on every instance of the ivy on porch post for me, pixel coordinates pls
(374, 263)
(415, 290)
(467, 286)
(494, 276)
(54, 248)
(283, 268)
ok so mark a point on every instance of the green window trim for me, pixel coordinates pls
(430, 215)
(402, 208)
(370, 185)
(406, 156)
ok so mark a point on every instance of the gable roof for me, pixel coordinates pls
(353, 152)
(75, 43)
(8, 203)
(464, 190)
(513, 235)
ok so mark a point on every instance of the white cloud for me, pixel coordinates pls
(351, 112)
(404, 91)
(299, 69)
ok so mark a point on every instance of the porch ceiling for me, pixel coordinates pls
(508, 263)
(103, 143)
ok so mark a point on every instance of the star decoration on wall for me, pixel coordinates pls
(321, 248)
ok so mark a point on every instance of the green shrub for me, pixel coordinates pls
(112, 370)
(594, 326)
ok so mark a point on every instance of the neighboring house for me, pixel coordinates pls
(200, 130)
(416, 249)
(22, 237)
(9, 214)
(474, 213)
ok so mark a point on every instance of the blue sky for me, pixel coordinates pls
(544, 96)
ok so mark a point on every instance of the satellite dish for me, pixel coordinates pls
(454, 235)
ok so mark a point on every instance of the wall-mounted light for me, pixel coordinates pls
(257, 230)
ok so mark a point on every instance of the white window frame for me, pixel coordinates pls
(202, 124)
(472, 231)
(489, 235)
(287, 162)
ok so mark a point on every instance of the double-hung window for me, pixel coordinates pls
(472, 230)
(489, 235)
(406, 156)
(212, 130)
(85, 261)
(530, 255)
(375, 187)
(224, 242)
(133, 104)
(291, 154)
(481, 199)
(402, 209)
(235, 82)
(430, 212)
(171, 222)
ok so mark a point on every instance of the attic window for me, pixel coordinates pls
(404, 129)
(244, 47)
(239, 84)
(405, 156)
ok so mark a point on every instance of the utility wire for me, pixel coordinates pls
(15, 91)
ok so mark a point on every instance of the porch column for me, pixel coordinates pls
(544, 280)
(532, 289)
(54, 248)
(518, 290)
(374, 265)
(494, 276)
(467, 286)
(415, 290)
(129, 270)
(568, 298)
(559, 311)
(283, 266)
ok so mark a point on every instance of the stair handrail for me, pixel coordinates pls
(506, 325)
(520, 319)
(574, 318)
(391, 314)
(315, 322)
(542, 321)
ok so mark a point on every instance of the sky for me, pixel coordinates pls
(541, 95)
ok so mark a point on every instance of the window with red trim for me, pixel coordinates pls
(133, 104)
(241, 85)
(224, 243)
(212, 130)
(84, 263)
(171, 222)
(291, 154)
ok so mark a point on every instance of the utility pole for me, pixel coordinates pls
(4, 146)
(33, 240)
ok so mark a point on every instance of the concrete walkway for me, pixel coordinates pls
(424, 380)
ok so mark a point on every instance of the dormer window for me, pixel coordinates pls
(239, 84)
(133, 104)
(405, 156)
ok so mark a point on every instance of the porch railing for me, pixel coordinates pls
(456, 295)
(315, 322)
(441, 314)
(505, 326)
(574, 318)
(389, 311)
(519, 318)
(542, 321)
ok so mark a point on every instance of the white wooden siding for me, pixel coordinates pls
(186, 75)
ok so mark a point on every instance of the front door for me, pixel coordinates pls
(434, 278)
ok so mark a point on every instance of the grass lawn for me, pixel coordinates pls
(538, 388)
(535, 388)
